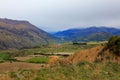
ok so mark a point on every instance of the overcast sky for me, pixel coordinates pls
(56, 15)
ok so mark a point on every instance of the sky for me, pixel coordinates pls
(58, 15)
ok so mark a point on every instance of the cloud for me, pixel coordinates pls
(54, 15)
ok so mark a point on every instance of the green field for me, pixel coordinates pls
(44, 60)
(4, 56)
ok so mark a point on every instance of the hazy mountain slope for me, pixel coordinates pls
(76, 34)
(100, 36)
(19, 34)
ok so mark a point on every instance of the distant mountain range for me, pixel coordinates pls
(87, 34)
(22, 34)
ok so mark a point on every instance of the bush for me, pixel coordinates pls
(114, 45)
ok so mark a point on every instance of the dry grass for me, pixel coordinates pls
(53, 60)
(23, 58)
(5, 77)
(85, 55)
(94, 54)
(109, 57)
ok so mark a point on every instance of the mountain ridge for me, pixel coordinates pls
(78, 33)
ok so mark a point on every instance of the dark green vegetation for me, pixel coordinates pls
(22, 34)
(4, 56)
(39, 60)
(114, 45)
(80, 71)
(87, 34)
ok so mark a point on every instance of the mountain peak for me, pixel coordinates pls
(11, 21)
(17, 24)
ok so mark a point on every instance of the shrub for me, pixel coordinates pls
(114, 45)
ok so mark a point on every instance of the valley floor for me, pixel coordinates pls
(28, 66)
